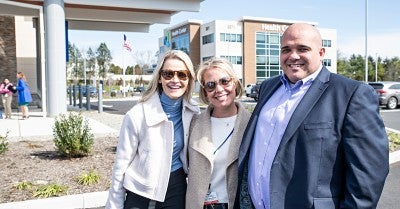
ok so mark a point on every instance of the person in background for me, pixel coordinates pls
(215, 137)
(6, 91)
(315, 138)
(151, 160)
(24, 95)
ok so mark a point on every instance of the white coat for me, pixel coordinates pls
(144, 152)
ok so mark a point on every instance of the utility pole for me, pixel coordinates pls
(366, 41)
(376, 68)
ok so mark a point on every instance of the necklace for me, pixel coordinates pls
(224, 122)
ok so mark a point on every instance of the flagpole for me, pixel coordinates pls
(128, 46)
(123, 77)
(123, 68)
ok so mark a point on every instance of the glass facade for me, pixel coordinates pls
(181, 42)
(267, 55)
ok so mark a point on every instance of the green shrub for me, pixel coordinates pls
(3, 143)
(50, 190)
(113, 94)
(89, 178)
(24, 185)
(72, 135)
(394, 141)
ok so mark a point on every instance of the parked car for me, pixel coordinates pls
(254, 91)
(92, 91)
(139, 89)
(248, 89)
(388, 93)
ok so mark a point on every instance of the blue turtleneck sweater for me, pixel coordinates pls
(173, 109)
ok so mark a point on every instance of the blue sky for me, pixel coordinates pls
(346, 16)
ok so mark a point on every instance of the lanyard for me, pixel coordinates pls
(223, 141)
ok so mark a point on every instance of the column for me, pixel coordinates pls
(54, 16)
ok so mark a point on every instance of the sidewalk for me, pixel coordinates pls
(38, 127)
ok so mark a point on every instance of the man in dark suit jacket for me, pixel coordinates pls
(315, 138)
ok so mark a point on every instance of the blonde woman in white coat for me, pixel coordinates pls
(151, 160)
(215, 137)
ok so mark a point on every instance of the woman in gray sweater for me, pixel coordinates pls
(215, 137)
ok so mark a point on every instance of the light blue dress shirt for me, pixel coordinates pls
(271, 125)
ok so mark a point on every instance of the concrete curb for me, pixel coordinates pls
(394, 157)
(79, 201)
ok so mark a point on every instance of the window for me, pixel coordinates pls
(395, 86)
(230, 37)
(222, 37)
(238, 37)
(181, 43)
(233, 59)
(326, 43)
(327, 62)
(267, 55)
(207, 58)
(207, 39)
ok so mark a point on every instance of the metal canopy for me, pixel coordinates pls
(106, 15)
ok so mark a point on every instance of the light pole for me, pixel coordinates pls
(376, 68)
(366, 41)
(84, 65)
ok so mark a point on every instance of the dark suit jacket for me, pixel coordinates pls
(334, 152)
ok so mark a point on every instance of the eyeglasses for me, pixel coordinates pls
(169, 74)
(211, 85)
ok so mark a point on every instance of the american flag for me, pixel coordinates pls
(127, 45)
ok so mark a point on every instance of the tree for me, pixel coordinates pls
(392, 67)
(75, 62)
(145, 58)
(129, 70)
(138, 70)
(115, 69)
(91, 63)
(343, 67)
(103, 56)
(357, 67)
(352, 68)
(387, 69)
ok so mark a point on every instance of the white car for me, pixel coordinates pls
(248, 89)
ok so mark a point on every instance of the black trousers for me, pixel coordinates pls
(216, 206)
(174, 199)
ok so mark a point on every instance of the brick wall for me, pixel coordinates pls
(8, 60)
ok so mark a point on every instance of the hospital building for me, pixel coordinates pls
(251, 44)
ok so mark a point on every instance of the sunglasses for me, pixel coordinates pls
(211, 85)
(169, 74)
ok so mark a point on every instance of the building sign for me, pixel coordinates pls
(274, 27)
(179, 31)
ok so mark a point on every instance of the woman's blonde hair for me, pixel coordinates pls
(21, 75)
(155, 86)
(224, 65)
